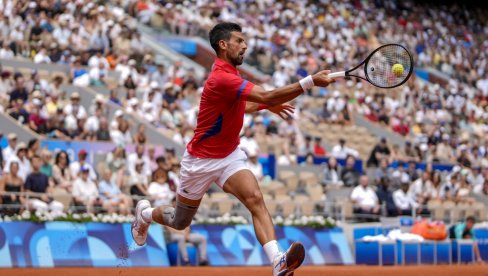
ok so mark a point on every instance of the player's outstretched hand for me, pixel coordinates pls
(322, 79)
(282, 110)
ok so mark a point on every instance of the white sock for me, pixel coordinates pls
(272, 249)
(147, 215)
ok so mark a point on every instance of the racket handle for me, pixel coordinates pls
(335, 75)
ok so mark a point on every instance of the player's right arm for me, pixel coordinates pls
(286, 93)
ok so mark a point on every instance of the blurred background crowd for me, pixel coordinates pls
(445, 122)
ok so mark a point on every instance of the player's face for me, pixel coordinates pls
(236, 48)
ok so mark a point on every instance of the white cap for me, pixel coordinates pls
(154, 85)
(168, 85)
(99, 98)
(36, 101)
(133, 101)
(456, 169)
(131, 62)
(119, 113)
(336, 94)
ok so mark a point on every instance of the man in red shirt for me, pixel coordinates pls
(213, 154)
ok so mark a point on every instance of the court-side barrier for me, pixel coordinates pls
(61, 244)
(388, 252)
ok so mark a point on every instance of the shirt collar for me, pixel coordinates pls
(225, 66)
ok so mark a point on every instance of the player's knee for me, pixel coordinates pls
(254, 201)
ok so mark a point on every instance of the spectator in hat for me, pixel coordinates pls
(9, 150)
(75, 166)
(379, 152)
(39, 183)
(21, 158)
(85, 191)
(74, 107)
(111, 196)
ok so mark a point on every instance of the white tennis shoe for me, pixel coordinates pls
(285, 263)
(139, 226)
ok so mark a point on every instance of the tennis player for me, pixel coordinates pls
(213, 154)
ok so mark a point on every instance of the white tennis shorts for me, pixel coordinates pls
(197, 174)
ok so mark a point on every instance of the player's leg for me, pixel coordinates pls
(178, 217)
(243, 185)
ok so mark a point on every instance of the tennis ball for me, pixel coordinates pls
(397, 69)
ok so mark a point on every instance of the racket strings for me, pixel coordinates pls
(379, 68)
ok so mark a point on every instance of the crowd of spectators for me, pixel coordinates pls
(53, 182)
(287, 40)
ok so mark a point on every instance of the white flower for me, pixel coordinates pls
(279, 220)
(304, 220)
(211, 220)
(26, 214)
(288, 222)
(7, 219)
(100, 216)
(226, 219)
(219, 220)
(76, 216)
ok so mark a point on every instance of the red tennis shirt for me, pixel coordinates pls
(221, 113)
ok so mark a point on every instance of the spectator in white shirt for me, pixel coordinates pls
(42, 57)
(6, 52)
(254, 166)
(340, 151)
(9, 151)
(248, 143)
(139, 155)
(364, 198)
(85, 191)
(74, 107)
(421, 189)
(121, 136)
(76, 166)
(404, 200)
(159, 189)
(21, 158)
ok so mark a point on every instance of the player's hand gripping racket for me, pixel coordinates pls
(386, 67)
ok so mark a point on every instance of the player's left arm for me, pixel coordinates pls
(282, 110)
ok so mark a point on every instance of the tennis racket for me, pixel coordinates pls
(386, 67)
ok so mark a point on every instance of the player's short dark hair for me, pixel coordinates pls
(471, 219)
(220, 32)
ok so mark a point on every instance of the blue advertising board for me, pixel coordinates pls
(64, 244)
(237, 245)
(60, 244)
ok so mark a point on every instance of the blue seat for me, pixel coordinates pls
(174, 254)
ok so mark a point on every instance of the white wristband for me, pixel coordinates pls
(306, 83)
